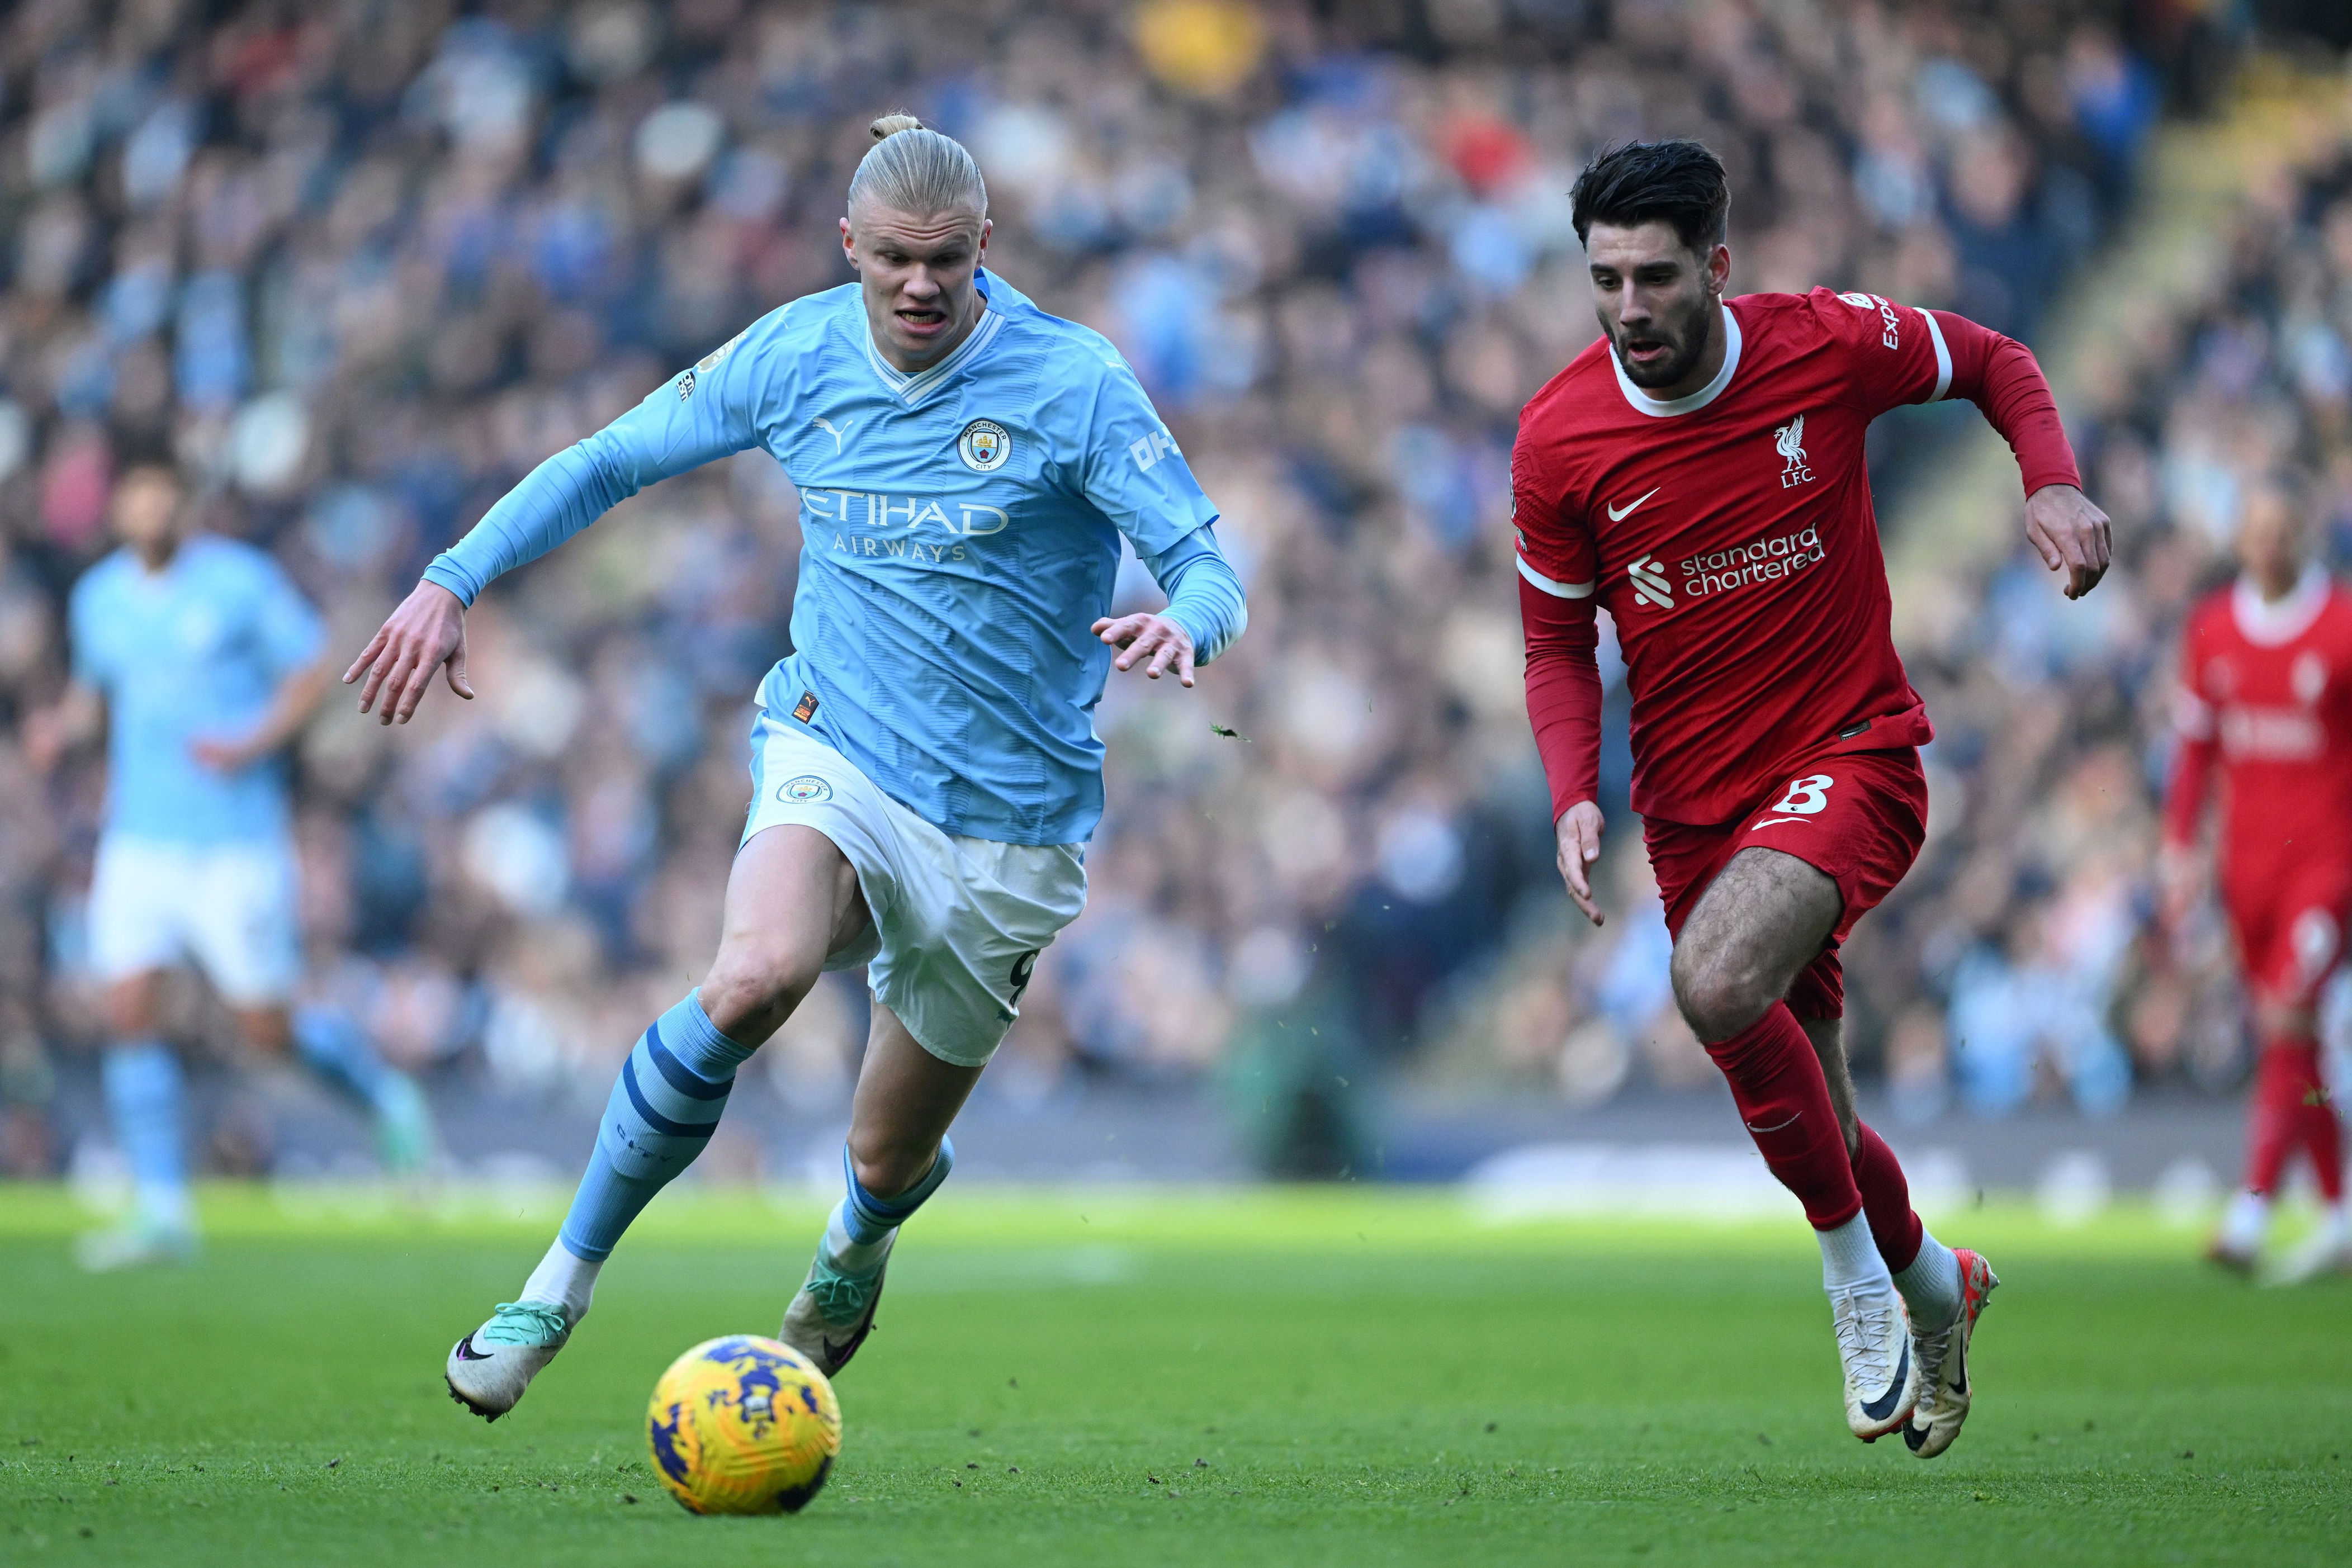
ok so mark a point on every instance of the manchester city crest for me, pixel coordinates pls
(806, 788)
(984, 445)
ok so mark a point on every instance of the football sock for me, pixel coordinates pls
(2245, 1221)
(146, 1098)
(1850, 1259)
(862, 1224)
(1931, 1284)
(1886, 1199)
(1784, 1101)
(565, 1279)
(2289, 1099)
(662, 1110)
(332, 1045)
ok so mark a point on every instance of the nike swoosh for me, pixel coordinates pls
(1619, 514)
(466, 1351)
(1960, 1373)
(1775, 821)
(1880, 1408)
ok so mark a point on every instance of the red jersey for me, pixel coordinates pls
(1729, 533)
(2266, 692)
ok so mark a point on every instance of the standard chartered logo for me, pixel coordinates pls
(1650, 584)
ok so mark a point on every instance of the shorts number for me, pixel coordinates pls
(1806, 795)
(1023, 967)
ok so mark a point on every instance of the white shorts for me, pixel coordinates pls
(230, 907)
(957, 922)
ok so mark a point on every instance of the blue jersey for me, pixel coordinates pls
(194, 651)
(959, 534)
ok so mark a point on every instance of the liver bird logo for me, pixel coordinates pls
(1791, 441)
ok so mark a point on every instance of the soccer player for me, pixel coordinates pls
(2264, 701)
(1698, 472)
(925, 770)
(201, 661)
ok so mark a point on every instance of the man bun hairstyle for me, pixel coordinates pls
(1678, 181)
(913, 169)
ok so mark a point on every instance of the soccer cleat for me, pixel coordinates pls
(489, 1368)
(135, 1244)
(1942, 1358)
(2227, 1254)
(834, 1312)
(2326, 1252)
(1882, 1378)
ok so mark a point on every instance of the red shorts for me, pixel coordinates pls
(1858, 819)
(2290, 927)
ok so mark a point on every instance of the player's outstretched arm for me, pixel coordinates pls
(427, 633)
(1579, 832)
(1207, 611)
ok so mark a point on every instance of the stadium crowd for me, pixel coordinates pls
(360, 264)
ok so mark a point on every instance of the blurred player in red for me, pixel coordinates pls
(2266, 699)
(1698, 473)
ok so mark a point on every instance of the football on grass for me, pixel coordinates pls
(743, 1424)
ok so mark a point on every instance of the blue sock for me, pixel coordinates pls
(148, 1101)
(332, 1045)
(663, 1110)
(861, 1222)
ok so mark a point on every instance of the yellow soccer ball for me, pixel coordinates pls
(743, 1424)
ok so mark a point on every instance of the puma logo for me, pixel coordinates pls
(837, 432)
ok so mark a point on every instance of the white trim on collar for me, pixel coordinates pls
(1667, 408)
(2276, 622)
(911, 389)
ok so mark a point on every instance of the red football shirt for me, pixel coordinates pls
(2266, 692)
(1729, 533)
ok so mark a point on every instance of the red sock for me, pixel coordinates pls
(1776, 1082)
(2309, 1113)
(2279, 1117)
(1887, 1199)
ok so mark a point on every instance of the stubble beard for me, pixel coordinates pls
(1690, 337)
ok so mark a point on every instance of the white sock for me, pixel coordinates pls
(849, 1256)
(2334, 1224)
(1850, 1259)
(562, 1279)
(2244, 1222)
(166, 1205)
(1931, 1285)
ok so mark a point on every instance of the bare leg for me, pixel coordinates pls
(906, 1099)
(793, 900)
(1757, 926)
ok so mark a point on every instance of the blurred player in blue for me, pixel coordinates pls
(200, 662)
(925, 769)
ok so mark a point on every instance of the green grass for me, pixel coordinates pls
(1368, 1377)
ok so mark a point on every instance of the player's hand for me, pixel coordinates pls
(1578, 830)
(2069, 534)
(2176, 888)
(1136, 637)
(427, 633)
(46, 738)
(223, 756)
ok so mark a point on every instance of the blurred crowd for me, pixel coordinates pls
(362, 263)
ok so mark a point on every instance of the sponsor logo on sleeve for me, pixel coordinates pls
(1889, 323)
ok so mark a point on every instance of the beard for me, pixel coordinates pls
(1686, 341)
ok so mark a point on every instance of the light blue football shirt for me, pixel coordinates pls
(194, 651)
(959, 535)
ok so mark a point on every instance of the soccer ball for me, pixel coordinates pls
(743, 1424)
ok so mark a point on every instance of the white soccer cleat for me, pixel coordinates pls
(1882, 1378)
(2325, 1253)
(489, 1368)
(135, 1244)
(1942, 1358)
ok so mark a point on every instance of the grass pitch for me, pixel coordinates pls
(1341, 1377)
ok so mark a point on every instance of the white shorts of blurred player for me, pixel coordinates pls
(957, 923)
(229, 907)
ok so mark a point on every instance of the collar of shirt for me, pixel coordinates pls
(2270, 623)
(1667, 408)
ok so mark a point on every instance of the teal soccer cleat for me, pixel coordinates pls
(489, 1368)
(834, 1312)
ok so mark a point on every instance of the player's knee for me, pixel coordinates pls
(888, 1165)
(754, 986)
(1717, 996)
